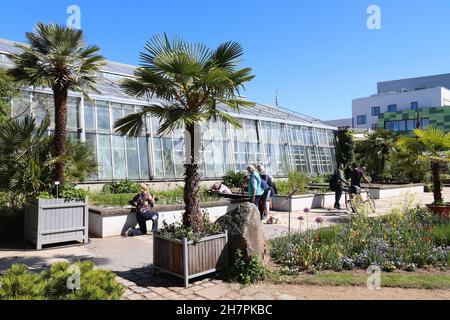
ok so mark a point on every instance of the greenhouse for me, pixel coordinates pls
(281, 139)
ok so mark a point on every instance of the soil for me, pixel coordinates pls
(309, 292)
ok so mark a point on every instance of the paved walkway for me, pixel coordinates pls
(131, 259)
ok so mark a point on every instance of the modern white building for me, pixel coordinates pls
(398, 95)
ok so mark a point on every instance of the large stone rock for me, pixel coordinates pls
(245, 232)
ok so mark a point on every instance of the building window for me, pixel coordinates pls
(375, 126)
(392, 108)
(361, 119)
(375, 111)
(405, 125)
(414, 105)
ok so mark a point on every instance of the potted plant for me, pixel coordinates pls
(192, 81)
(433, 145)
(50, 220)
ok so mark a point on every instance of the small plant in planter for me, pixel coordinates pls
(433, 145)
(49, 220)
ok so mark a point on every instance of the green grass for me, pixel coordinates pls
(429, 280)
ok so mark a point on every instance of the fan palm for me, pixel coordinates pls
(377, 148)
(58, 57)
(191, 80)
(433, 145)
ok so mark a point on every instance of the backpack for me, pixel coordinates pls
(333, 182)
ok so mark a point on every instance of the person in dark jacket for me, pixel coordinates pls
(144, 202)
(341, 182)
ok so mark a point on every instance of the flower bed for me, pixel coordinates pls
(398, 241)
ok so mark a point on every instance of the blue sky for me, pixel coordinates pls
(319, 54)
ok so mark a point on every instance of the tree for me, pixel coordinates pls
(345, 148)
(375, 151)
(433, 145)
(8, 91)
(27, 159)
(58, 57)
(191, 80)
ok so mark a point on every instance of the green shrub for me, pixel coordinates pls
(74, 194)
(441, 234)
(122, 187)
(234, 179)
(323, 178)
(20, 284)
(296, 181)
(247, 272)
(11, 223)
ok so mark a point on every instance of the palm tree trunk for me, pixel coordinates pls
(60, 99)
(436, 169)
(192, 216)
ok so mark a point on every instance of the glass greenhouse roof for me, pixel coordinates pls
(113, 72)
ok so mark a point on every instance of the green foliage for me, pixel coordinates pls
(345, 147)
(296, 181)
(396, 240)
(27, 161)
(122, 187)
(441, 234)
(8, 91)
(20, 284)
(11, 223)
(247, 272)
(180, 232)
(323, 178)
(375, 153)
(174, 196)
(234, 179)
(74, 194)
(45, 195)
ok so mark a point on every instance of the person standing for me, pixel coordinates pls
(144, 203)
(255, 190)
(340, 182)
(356, 176)
(269, 187)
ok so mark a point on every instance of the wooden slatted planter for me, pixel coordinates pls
(187, 259)
(56, 221)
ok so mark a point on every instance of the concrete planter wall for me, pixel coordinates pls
(104, 223)
(187, 259)
(55, 221)
(389, 191)
(300, 202)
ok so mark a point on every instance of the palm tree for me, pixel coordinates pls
(431, 144)
(192, 80)
(58, 57)
(377, 148)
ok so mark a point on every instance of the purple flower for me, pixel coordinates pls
(306, 210)
(319, 220)
(301, 218)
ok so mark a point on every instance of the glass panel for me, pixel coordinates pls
(21, 105)
(208, 157)
(41, 106)
(72, 112)
(179, 157)
(104, 157)
(168, 159)
(132, 159)
(143, 156)
(157, 151)
(90, 141)
(89, 121)
(116, 112)
(103, 121)
(118, 147)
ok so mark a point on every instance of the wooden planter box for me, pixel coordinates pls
(186, 259)
(56, 221)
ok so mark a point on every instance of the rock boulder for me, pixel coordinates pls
(245, 232)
